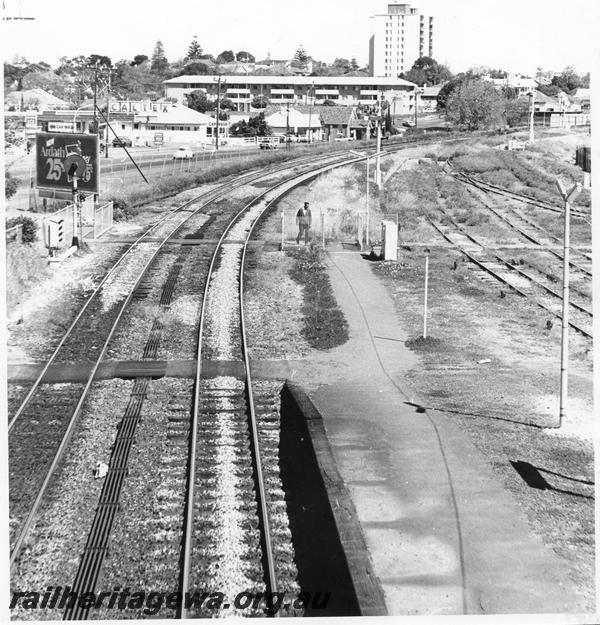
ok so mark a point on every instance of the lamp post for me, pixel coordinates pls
(83, 106)
(367, 215)
(564, 341)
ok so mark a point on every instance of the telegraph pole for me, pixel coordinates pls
(95, 97)
(287, 127)
(532, 106)
(378, 150)
(107, 115)
(218, 111)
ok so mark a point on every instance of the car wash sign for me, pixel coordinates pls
(52, 150)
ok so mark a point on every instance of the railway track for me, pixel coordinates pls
(504, 271)
(528, 229)
(228, 399)
(492, 188)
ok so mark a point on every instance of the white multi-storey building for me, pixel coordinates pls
(399, 38)
(343, 90)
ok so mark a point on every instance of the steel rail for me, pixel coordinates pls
(72, 420)
(492, 188)
(510, 266)
(525, 234)
(207, 197)
(189, 505)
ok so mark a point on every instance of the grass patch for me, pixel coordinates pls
(25, 267)
(324, 323)
(421, 344)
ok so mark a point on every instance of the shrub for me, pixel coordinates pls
(24, 267)
(10, 185)
(30, 227)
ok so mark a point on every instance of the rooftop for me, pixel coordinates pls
(292, 80)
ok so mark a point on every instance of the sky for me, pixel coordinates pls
(514, 35)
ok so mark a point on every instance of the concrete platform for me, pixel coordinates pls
(443, 534)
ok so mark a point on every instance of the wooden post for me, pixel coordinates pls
(425, 298)
(282, 230)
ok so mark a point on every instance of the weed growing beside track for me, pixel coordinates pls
(324, 323)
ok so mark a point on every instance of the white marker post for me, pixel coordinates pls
(425, 298)
(564, 341)
(322, 229)
(282, 230)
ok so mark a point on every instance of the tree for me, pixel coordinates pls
(568, 80)
(194, 50)
(198, 101)
(550, 90)
(254, 127)
(342, 65)
(259, 102)
(160, 64)
(98, 60)
(10, 184)
(227, 56)
(353, 64)
(427, 71)
(301, 58)
(475, 105)
(245, 57)
(196, 69)
(138, 59)
(516, 110)
(30, 226)
(227, 104)
(48, 81)
(135, 81)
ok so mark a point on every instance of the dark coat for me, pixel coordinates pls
(304, 217)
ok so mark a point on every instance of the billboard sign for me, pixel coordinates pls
(53, 149)
(61, 126)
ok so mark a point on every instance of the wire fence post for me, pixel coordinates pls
(425, 298)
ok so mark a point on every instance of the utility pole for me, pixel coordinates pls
(107, 115)
(416, 106)
(287, 127)
(378, 150)
(309, 136)
(218, 109)
(95, 97)
(564, 342)
(531, 108)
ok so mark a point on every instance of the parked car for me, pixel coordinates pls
(118, 141)
(269, 144)
(183, 153)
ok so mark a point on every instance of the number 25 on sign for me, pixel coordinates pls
(55, 168)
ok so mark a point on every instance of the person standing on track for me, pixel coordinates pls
(304, 220)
